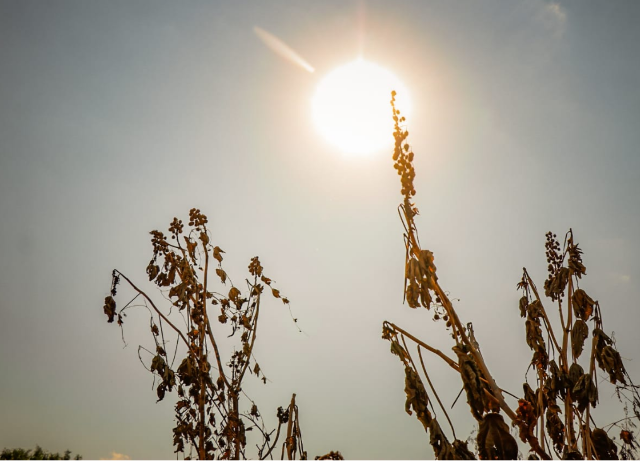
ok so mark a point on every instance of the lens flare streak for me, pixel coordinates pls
(282, 49)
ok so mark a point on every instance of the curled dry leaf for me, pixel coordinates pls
(442, 449)
(470, 374)
(582, 304)
(523, 306)
(417, 397)
(555, 427)
(579, 333)
(605, 447)
(110, 308)
(494, 439)
(585, 392)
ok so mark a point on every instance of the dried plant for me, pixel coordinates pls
(210, 419)
(554, 416)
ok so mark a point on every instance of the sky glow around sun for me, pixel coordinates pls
(351, 107)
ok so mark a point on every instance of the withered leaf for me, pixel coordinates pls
(222, 274)
(470, 374)
(605, 447)
(575, 372)
(416, 396)
(555, 428)
(152, 270)
(585, 392)
(234, 293)
(579, 333)
(494, 439)
(582, 304)
(610, 361)
(110, 308)
(627, 437)
(217, 253)
(523, 306)
(191, 247)
(397, 349)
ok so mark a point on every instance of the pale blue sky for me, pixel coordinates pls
(117, 116)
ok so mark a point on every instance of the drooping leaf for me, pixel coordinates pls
(555, 427)
(110, 308)
(417, 398)
(152, 270)
(582, 304)
(605, 447)
(579, 333)
(470, 374)
(217, 253)
(494, 439)
(523, 306)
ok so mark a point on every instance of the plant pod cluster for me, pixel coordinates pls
(402, 155)
(421, 277)
(554, 286)
(494, 439)
(526, 418)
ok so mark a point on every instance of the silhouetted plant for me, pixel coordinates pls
(209, 416)
(560, 405)
(38, 453)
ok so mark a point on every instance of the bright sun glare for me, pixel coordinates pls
(351, 107)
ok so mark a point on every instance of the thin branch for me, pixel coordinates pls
(155, 308)
(424, 369)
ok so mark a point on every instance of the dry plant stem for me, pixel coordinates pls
(155, 308)
(495, 390)
(253, 339)
(424, 369)
(201, 423)
(236, 412)
(210, 335)
(544, 312)
(275, 442)
(540, 404)
(439, 353)
(570, 434)
(299, 433)
(287, 442)
(588, 451)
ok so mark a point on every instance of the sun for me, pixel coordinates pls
(351, 107)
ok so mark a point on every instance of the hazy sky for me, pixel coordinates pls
(117, 116)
